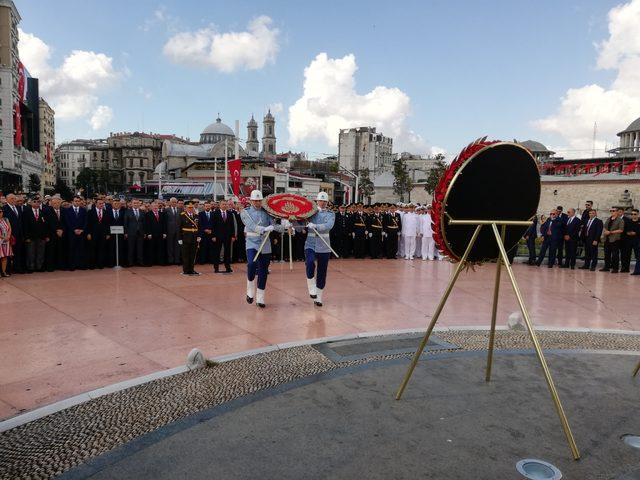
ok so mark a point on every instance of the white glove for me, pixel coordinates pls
(311, 225)
(370, 235)
(353, 235)
(286, 223)
(268, 229)
(384, 234)
(179, 242)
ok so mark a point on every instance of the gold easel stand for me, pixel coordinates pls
(637, 369)
(501, 260)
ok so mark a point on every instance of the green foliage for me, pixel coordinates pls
(62, 188)
(435, 174)
(34, 183)
(366, 188)
(401, 178)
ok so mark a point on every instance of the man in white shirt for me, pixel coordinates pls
(428, 243)
(409, 232)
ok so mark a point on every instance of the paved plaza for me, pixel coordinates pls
(65, 333)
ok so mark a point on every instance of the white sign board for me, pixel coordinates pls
(117, 229)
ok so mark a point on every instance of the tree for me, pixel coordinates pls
(87, 178)
(401, 180)
(365, 185)
(34, 183)
(435, 174)
(62, 188)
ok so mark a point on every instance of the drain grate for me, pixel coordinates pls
(361, 348)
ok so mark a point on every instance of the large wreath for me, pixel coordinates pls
(289, 206)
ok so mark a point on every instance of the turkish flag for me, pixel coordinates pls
(17, 122)
(235, 170)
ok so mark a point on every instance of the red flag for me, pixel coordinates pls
(17, 124)
(235, 170)
(22, 81)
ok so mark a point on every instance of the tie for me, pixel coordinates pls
(224, 216)
(549, 229)
(136, 213)
(100, 215)
(58, 214)
(208, 216)
(35, 213)
(156, 214)
(589, 225)
(115, 214)
(75, 209)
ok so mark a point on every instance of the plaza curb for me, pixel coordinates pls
(55, 407)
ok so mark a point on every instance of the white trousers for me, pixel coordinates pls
(409, 246)
(428, 248)
(401, 246)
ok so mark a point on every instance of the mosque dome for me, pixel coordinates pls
(216, 132)
(633, 126)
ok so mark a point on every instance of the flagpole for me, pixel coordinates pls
(226, 169)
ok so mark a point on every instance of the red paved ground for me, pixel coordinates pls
(66, 333)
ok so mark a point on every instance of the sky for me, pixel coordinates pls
(434, 75)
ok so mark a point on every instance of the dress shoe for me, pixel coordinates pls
(584, 267)
(604, 270)
(593, 269)
(634, 273)
(228, 271)
(573, 267)
(614, 271)
(249, 299)
(624, 271)
(551, 266)
(261, 305)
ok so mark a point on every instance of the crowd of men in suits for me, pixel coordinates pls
(565, 234)
(54, 234)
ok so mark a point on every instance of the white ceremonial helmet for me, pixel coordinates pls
(256, 195)
(323, 196)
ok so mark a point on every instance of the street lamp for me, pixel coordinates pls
(160, 169)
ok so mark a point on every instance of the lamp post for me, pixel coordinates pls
(160, 169)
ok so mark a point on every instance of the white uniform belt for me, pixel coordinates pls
(253, 234)
(321, 234)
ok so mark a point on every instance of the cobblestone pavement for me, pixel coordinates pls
(54, 444)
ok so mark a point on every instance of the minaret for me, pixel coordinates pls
(252, 136)
(269, 135)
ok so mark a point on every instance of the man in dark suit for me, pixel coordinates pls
(76, 224)
(551, 231)
(98, 235)
(224, 234)
(13, 213)
(625, 243)
(116, 218)
(172, 221)
(205, 222)
(572, 231)
(563, 219)
(36, 235)
(55, 255)
(591, 235)
(238, 247)
(530, 237)
(156, 235)
(134, 230)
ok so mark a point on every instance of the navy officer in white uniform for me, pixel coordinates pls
(316, 251)
(258, 224)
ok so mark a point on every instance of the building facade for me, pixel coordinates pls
(70, 158)
(47, 145)
(363, 148)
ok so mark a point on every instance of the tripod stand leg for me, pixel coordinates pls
(443, 300)
(494, 311)
(543, 363)
(637, 369)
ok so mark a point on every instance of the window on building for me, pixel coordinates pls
(295, 184)
(271, 148)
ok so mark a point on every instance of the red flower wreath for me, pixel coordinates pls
(443, 185)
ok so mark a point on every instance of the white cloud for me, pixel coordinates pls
(101, 117)
(330, 102)
(161, 17)
(73, 87)
(226, 52)
(612, 107)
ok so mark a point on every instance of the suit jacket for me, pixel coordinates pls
(133, 227)
(573, 229)
(594, 232)
(53, 222)
(14, 220)
(172, 221)
(557, 229)
(204, 222)
(34, 229)
(224, 230)
(98, 228)
(532, 231)
(75, 221)
(120, 220)
(155, 227)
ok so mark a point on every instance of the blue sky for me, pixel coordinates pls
(468, 68)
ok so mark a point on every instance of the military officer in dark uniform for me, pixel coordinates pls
(341, 232)
(375, 227)
(392, 225)
(188, 238)
(359, 232)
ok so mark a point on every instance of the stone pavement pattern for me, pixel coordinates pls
(346, 424)
(51, 445)
(65, 333)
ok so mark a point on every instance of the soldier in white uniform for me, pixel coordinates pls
(257, 224)
(409, 232)
(316, 251)
(426, 229)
